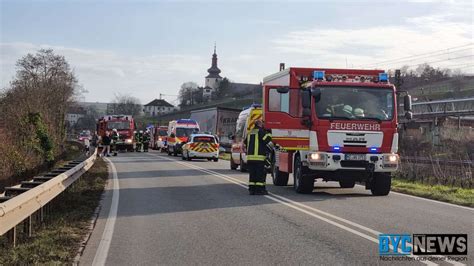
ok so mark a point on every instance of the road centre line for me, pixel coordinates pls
(102, 251)
(296, 206)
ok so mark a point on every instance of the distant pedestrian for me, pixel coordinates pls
(87, 146)
(256, 145)
(115, 138)
(95, 139)
(106, 140)
(146, 140)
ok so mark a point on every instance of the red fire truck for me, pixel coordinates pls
(125, 126)
(333, 124)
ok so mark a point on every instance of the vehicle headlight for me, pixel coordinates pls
(317, 157)
(128, 141)
(390, 160)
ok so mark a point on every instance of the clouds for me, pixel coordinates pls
(165, 48)
(378, 43)
(105, 73)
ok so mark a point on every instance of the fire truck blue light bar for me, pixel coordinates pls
(319, 75)
(383, 77)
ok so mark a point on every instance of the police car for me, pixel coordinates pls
(201, 146)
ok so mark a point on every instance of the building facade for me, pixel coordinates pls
(157, 107)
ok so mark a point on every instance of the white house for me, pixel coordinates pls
(157, 107)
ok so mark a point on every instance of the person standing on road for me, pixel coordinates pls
(256, 144)
(115, 139)
(106, 140)
(87, 146)
(139, 141)
(146, 140)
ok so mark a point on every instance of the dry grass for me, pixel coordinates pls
(57, 241)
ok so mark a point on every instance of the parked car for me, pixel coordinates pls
(201, 146)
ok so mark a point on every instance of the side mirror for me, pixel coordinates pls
(306, 104)
(407, 103)
(306, 99)
(409, 115)
(283, 90)
(316, 93)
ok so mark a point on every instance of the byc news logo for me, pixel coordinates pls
(433, 247)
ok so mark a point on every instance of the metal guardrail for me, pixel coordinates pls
(21, 207)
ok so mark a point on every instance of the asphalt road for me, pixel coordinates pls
(158, 209)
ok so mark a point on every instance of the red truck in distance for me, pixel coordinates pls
(334, 124)
(125, 126)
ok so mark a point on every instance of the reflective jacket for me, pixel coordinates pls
(115, 136)
(257, 141)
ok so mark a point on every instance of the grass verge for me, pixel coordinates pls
(58, 239)
(456, 195)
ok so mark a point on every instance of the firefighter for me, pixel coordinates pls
(146, 140)
(115, 139)
(139, 141)
(256, 144)
(106, 143)
(135, 139)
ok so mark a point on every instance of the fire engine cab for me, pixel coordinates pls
(333, 124)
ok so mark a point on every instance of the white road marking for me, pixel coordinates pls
(296, 205)
(104, 245)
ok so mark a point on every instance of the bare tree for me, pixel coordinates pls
(187, 93)
(34, 106)
(126, 105)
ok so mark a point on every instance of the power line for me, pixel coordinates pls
(448, 59)
(455, 65)
(419, 56)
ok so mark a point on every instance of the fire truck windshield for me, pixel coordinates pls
(185, 132)
(353, 103)
(118, 125)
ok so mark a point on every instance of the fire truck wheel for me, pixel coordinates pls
(243, 167)
(346, 183)
(215, 159)
(233, 166)
(381, 184)
(279, 178)
(302, 184)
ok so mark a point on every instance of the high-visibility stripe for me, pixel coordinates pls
(252, 183)
(268, 135)
(256, 158)
(203, 147)
(285, 138)
(260, 184)
(255, 149)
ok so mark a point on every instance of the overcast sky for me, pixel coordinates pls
(144, 48)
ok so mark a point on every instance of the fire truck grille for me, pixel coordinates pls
(352, 164)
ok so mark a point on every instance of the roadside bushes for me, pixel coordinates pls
(33, 109)
(427, 163)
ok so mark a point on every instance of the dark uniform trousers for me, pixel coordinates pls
(257, 175)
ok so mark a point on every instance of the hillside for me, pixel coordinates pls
(457, 87)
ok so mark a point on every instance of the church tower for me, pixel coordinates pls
(213, 79)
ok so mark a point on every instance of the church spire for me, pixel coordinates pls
(214, 70)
